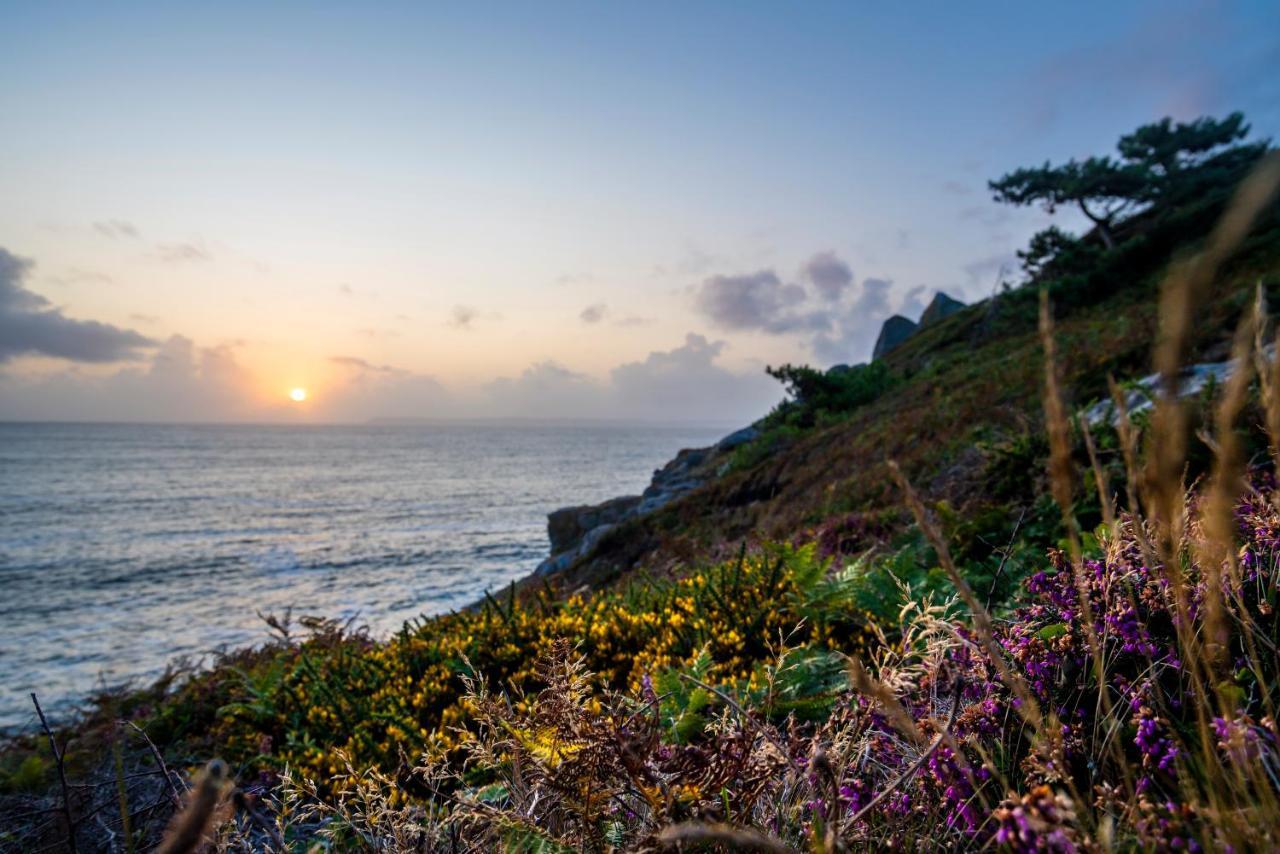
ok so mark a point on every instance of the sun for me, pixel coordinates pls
(298, 395)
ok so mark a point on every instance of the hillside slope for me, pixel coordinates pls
(968, 396)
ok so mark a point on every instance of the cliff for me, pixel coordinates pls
(575, 531)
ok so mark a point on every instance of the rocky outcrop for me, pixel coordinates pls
(898, 328)
(1141, 395)
(895, 330)
(567, 526)
(941, 306)
(575, 531)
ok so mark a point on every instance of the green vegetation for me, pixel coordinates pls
(820, 397)
(808, 655)
(1163, 164)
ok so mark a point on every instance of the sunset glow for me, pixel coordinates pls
(570, 228)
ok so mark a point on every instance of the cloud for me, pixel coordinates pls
(633, 320)
(913, 303)
(593, 313)
(686, 384)
(545, 389)
(828, 274)
(599, 312)
(838, 318)
(463, 316)
(182, 253)
(681, 384)
(757, 301)
(356, 363)
(77, 276)
(30, 325)
(117, 229)
(367, 391)
(181, 382)
(855, 328)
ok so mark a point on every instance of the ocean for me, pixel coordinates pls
(123, 547)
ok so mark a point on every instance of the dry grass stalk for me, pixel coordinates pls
(893, 710)
(1181, 293)
(1028, 708)
(1268, 369)
(191, 827)
(1099, 479)
(1061, 475)
(697, 834)
(1218, 545)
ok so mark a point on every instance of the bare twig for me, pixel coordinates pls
(1004, 558)
(155, 753)
(62, 775)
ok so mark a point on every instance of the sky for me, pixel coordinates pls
(541, 210)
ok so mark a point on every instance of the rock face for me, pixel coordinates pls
(895, 330)
(898, 328)
(575, 531)
(941, 306)
(567, 526)
(1142, 394)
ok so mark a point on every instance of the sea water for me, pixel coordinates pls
(123, 547)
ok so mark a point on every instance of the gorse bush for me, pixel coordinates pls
(335, 696)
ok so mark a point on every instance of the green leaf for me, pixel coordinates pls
(1055, 630)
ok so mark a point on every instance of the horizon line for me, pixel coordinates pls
(382, 421)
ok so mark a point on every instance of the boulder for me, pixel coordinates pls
(941, 306)
(738, 437)
(575, 531)
(567, 526)
(895, 330)
(1142, 394)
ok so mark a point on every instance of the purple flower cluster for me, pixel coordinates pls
(1131, 607)
(1040, 821)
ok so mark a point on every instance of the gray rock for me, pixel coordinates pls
(895, 330)
(575, 531)
(738, 437)
(1142, 395)
(941, 306)
(567, 526)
